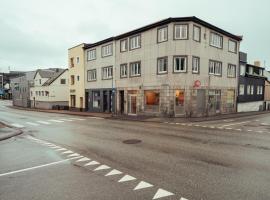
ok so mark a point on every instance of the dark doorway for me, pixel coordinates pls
(105, 101)
(86, 101)
(122, 101)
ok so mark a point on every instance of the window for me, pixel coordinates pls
(39, 93)
(107, 72)
(252, 89)
(135, 69)
(151, 100)
(196, 33)
(215, 68)
(250, 70)
(195, 65)
(241, 89)
(259, 90)
(123, 71)
(78, 78)
(216, 40)
(71, 62)
(135, 42)
(42, 93)
(162, 65)
(91, 54)
(96, 99)
(31, 93)
(180, 64)
(78, 60)
(107, 50)
(40, 81)
(248, 89)
(180, 31)
(232, 46)
(231, 72)
(63, 81)
(72, 81)
(46, 93)
(92, 75)
(123, 45)
(242, 70)
(36, 93)
(162, 34)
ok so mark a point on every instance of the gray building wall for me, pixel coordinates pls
(20, 87)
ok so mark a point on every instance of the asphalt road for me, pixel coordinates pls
(66, 157)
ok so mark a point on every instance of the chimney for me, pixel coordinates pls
(257, 63)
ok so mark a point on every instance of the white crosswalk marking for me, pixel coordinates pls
(18, 125)
(92, 163)
(77, 119)
(102, 167)
(32, 124)
(162, 193)
(66, 152)
(43, 122)
(126, 178)
(143, 185)
(83, 159)
(114, 172)
(67, 120)
(74, 154)
(57, 121)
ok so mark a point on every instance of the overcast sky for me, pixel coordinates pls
(37, 33)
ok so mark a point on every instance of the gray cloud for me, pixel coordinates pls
(37, 33)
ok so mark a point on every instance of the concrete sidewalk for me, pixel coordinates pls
(8, 132)
(146, 118)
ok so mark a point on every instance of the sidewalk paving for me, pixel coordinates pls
(146, 118)
(8, 132)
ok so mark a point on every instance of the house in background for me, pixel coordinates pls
(77, 78)
(251, 86)
(267, 90)
(20, 88)
(174, 67)
(50, 89)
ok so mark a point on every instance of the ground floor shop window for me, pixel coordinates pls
(214, 101)
(96, 99)
(151, 101)
(179, 101)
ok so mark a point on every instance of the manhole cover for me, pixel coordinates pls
(132, 141)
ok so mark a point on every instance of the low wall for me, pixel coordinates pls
(250, 106)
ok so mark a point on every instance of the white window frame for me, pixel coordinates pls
(135, 42)
(232, 49)
(195, 65)
(185, 58)
(162, 34)
(123, 71)
(107, 50)
(248, 89)
(215, 68)
(216, 40)
(162, 65)
(123, 45)
(107, 72)
(91, 54)
(182, 30)
(252, 89)
(92, 75)
(135, 69)
(231, 71)
(196, 28)
(242, 70)
(241, 89)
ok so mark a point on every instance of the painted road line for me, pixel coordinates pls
(228, 128)
(36, 167)
(44, 122)
(62, 149)
(77, 119)
(249, 130)
(162, 193)
(74, 154)
(67, 120)
(238, 129)
(18, 125)
(126, 178)
(83, 159)
(114, 172)
(57, 121)
(259, 131)
(66, 152)
(102, 167)
(96, 117)
(236, 123)
(143, 185)
(92, 163)
(182, 198)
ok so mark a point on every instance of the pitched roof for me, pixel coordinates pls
(164, 22)
(54, 77)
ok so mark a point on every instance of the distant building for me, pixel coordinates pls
(50, 89)
(20, 88)
(267, 90)
(5, 89)
(174, 67)
(251, 86)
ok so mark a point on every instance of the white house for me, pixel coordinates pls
(50, 89)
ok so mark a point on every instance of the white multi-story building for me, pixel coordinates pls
(174, 67)
(50, 89)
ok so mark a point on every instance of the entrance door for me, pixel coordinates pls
(132, 104)
(122, 101)
(81, 103)
(179, 102)
(105, 101)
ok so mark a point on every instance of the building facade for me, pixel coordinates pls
(20, 88)
(50, 89)
(251, 86)
(76, 61)
(267, 90)
(175, 67)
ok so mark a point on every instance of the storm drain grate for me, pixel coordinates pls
(132, 141)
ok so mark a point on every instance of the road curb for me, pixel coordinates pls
(14, 132)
